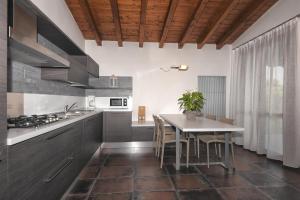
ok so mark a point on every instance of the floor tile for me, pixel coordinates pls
(261, 179)
(75, 197)
(212, 170)
(153, 184)
(155, 195)
(145, 171)
(116, 196)
(116, 171)
(228, 181)
(89, 172)
(243, 194)
(189, 182)
(118, 162)
(282, 193)
(207, 194)
(81, 187)
(148, 162)
(134, 173)
(116, 185)
(183, 170)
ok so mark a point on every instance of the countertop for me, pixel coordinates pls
(145, 124)
(116, 110)
(16, 135)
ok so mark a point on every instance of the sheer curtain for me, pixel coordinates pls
(265, 96)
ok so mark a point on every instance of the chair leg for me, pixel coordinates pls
(158, 147)
(232, 153)
(187, 153)
(216, 149)
(207, 149)
(198, 145)
(195, 146)
(180, 150)
(162, 155)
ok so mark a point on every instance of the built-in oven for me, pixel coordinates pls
(118, 102)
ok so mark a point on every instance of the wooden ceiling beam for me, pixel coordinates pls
(241, 21)
(142, 22)
(117, 23)
(91, 20)
(224, 11)
(172, 8)
(193, 22)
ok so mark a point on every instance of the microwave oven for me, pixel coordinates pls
(118, 102)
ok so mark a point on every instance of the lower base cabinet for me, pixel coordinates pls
(144, 134)
(42, 168)
(3, 174)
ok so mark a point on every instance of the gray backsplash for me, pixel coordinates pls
(27, 79)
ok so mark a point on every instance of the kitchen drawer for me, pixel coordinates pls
(61, 142)
(3, 175)
(91, 138)
(27, 164)
(58, 180)
(142, 133)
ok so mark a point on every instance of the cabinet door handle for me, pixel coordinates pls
(59, 133)
(64, 165)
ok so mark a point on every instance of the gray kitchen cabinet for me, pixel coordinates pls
(103, 82)
(142, 133)
(3, 175)
(3, 72)
(91, 66)
(43, 167)
(27, 164)
(117, 126)
(91, 138)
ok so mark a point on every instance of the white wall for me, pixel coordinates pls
(59, 13)
(279, 13)
(155, 89)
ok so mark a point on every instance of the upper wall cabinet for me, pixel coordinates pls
(23, 41)
(105, 82)
(91, 66)
(76, 75)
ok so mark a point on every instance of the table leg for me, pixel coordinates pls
(227, 159)
(177, 149)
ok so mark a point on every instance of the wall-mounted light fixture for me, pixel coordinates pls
(178, 67)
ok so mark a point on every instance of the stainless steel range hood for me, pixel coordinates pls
(23, 42)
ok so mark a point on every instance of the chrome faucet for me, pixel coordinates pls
(68, 108)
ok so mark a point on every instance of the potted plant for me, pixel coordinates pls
(191, 103)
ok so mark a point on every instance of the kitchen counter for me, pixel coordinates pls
(145, 124)
(16, 135)
(116, 110)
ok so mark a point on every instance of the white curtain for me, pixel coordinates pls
(265, 94)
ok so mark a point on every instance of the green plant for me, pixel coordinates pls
(191, 101)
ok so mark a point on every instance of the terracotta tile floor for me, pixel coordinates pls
(134, 174)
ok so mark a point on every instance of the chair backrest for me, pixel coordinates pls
(156, 128)
(227, 121)
(161, 126)
(212, 117)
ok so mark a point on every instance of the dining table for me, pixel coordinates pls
(201, 125)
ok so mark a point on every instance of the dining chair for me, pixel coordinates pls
(217, 138)
(211, 117)
(156, 134)
(167, 137)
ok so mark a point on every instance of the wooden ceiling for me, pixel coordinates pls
(201, 22)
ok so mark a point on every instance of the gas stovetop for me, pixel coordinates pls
(31, 121)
